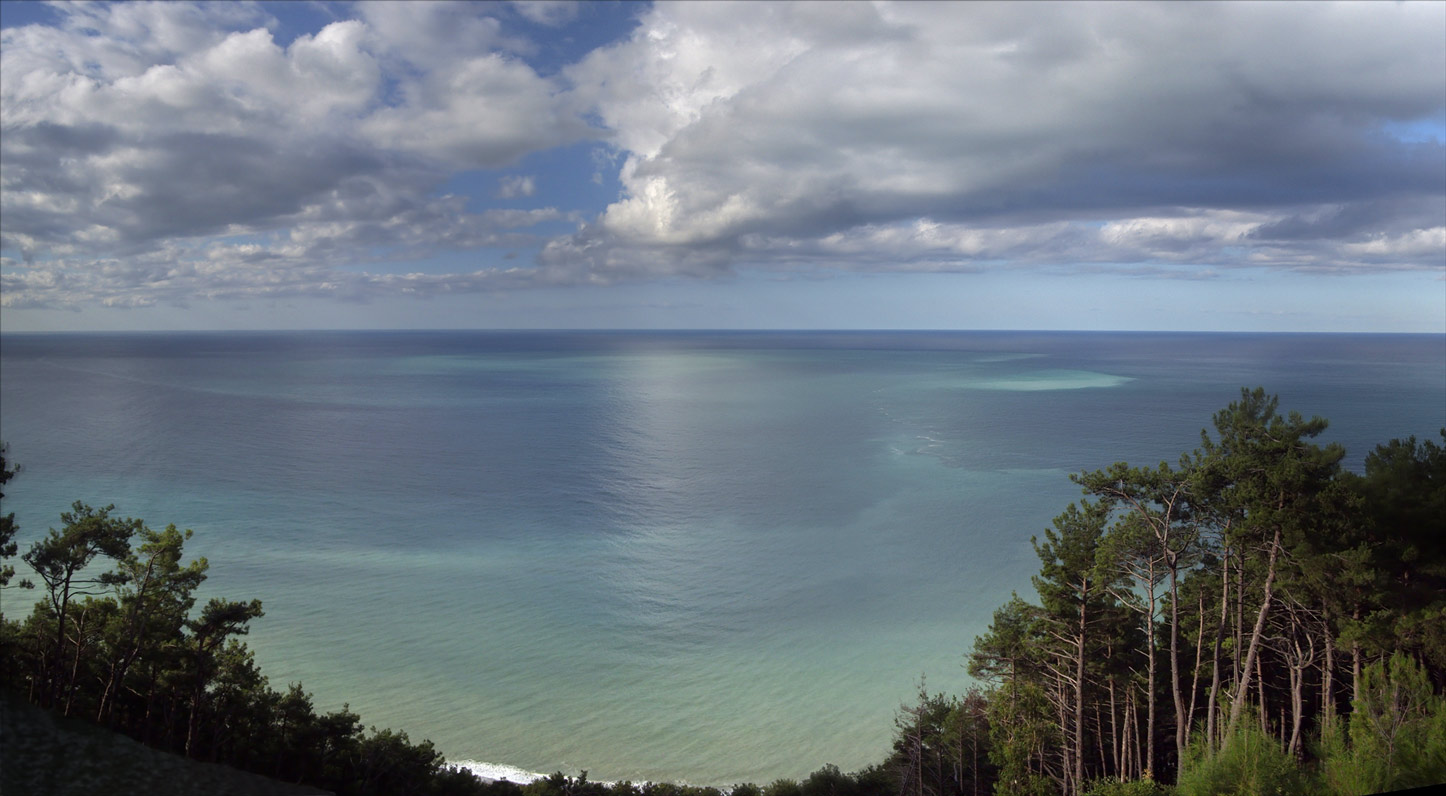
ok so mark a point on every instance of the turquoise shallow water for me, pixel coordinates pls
(690, 556)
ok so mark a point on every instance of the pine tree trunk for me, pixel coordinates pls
(974, 746)
(1079, 674)
(1195, 673)
(53, 684)
(1135, 732)
(1127, 766)
(1100, 741)
(100, 711)
(1175, 694)
(1237, 672)
(1356, 661)
(1252, 656)
(1260, 693)
(191, 722)
(1327, 686)
(1213, 707)
(1297, 707)
(1150, 712)
(1066, 753)
(74, 668)
(1115, 734)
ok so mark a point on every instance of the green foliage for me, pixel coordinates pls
(387, 762)
(1069, 572)
(7, 523)
(62, 556)
(1402, 497)
(1134, 787)
(1278, 564)
(782, 787)
(62, 560)
(1397, 733)
(118, 643)
(1022, 730)
(669, 789)
(1008, 646)
(941, 746)
(875, 780)
(1262, 472)
(828, 781)
(1250, 763)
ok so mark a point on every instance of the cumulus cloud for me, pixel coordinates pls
(961, 133)
(515, 186)
(486, 111)
(547, 12)
(172, 151)
(137, 136)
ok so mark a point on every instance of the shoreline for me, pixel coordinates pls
(496, 772)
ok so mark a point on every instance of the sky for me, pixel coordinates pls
(843, 165)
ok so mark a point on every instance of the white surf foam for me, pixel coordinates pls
(494, 772)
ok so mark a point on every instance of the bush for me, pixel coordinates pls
(782, 787)
(829, 781)
(1397, 733)
(1134, 787)
(877, 780)
(1251, 763)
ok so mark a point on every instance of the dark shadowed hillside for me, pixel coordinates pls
(42, 755)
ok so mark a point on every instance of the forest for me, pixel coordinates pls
(1252, 619)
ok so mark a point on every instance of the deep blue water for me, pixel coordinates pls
(715, 557)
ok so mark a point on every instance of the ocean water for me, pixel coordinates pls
(706, 557)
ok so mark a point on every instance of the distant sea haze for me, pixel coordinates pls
(702, 557)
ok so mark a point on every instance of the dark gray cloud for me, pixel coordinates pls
(170, 152)
(155, 152)
(1141, 126)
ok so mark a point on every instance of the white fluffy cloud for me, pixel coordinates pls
(515, 186)
(485, 111)
(165, 152)
(1061, 133)
(547, 12)
(138, 136)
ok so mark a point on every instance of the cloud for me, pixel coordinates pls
(428, 35)
(515, 186)
(484, 112)
(139, 138)
(326, 255)
(169, 152)
(552, 13)
(1018, 133)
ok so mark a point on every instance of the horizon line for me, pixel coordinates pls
(701, 330)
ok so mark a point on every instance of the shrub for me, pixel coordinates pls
(1397, 733)
(829, 781)
(1134, 787)
(782, 787)
(1250, 763)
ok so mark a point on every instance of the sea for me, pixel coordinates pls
(703, 557)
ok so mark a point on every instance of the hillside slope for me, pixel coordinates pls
(46, 755)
